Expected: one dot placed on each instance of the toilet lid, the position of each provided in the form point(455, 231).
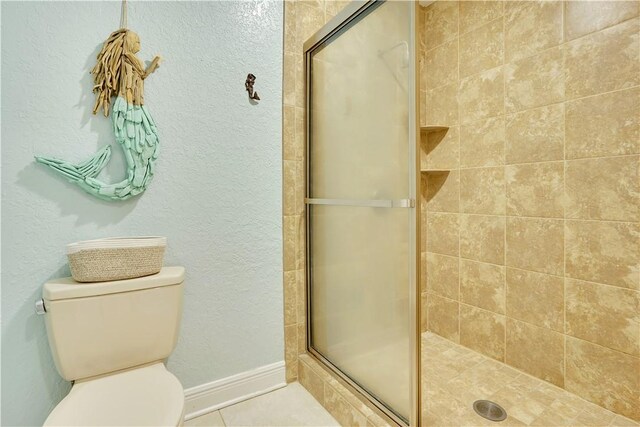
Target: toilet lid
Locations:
point(148, 396)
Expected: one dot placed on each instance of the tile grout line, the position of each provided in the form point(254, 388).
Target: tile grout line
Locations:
point(564, 207)
point(459, 124)
point(550, 218)
point(504, 168)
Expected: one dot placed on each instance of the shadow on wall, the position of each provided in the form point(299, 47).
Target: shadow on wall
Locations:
point(70, 198)
point(27, 326)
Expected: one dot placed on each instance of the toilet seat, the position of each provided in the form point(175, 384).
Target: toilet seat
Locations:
point(147, 396)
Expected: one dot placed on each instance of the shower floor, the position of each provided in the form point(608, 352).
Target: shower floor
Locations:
point(455, 376)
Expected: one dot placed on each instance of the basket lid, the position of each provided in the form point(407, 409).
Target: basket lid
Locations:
point(66, 287)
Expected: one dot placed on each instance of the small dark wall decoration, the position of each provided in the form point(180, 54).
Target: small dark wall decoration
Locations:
point(248, 85)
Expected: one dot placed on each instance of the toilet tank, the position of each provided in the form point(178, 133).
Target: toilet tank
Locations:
point(104, 327)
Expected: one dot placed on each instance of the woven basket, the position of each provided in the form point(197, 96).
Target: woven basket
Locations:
point(116, 258)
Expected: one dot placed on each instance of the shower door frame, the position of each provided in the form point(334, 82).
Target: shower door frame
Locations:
point(342, 20)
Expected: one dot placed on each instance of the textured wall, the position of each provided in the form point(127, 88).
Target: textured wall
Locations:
point(532, 229)
point(216, 195)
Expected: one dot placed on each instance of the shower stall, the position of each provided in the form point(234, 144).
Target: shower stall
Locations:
point(362, 212)
point(476, 258)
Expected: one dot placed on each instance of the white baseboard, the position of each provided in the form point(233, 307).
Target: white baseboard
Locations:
point(218, 394)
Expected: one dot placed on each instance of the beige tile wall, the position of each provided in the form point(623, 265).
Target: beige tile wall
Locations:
point(532, 245)
point(302, 19)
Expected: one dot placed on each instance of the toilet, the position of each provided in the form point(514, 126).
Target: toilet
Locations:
point(111, 339)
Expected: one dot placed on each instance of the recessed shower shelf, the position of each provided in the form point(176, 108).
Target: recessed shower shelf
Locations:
point(432, 128)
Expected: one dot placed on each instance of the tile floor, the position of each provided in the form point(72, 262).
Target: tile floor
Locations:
point(454, 377)
point(289, 406)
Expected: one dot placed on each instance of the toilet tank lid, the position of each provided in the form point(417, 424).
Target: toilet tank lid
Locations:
point(66, 287)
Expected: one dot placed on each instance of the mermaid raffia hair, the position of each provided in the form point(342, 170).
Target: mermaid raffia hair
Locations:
point(119, 72)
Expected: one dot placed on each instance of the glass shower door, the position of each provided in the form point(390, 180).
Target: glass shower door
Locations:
point(361, 202)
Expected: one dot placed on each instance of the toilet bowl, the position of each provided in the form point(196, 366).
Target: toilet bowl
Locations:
point(111, 340)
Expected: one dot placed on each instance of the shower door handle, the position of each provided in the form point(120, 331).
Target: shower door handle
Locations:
point(400, 203)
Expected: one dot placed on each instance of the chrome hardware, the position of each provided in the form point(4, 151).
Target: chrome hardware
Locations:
point(401, 203)
point(40, 308)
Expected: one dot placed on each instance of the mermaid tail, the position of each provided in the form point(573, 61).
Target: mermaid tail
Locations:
point(136, 133)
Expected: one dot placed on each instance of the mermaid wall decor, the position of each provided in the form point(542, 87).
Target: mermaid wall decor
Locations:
point(118, 74)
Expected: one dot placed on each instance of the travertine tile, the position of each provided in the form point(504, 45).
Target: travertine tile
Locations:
point(374, 420)
point(290, 300)
point(482, 49)
point(443, 275)
point(290, 235)
point(481, 95)
point(535, 135)
point(603, 376)
point(423, 212)
point(309, 19)
point(476, 13)
point(531, 26)
point(300, 81)
point(302, 338)
point(441, 23)
point(482, 285)
point(605, 315)
point(290, 353)
point(289, 41)
point(443, 317)
point(289, 183)
point(534, 81)
point(482, 238)
point(582, 17)
point(301, 295)
point(620, 421)
point(535, 244)
point(594, 418)
point(440, 149)
point(482, 331)
point(443, 191)
point(604, 61)
point(423, 106)
point(341, 410)
point(482, 191)
point(441, 65)
point(603, 252)
point(334, 7)
point(442, 105)
point(300, 134)
point(482, 143)
point(524, 404)
point(288, 132)
point(603, 125)
point(424, 312)
point(535, 189)
point(442, 233)
point(555, 416)
point(289, 79)
point(537, 351)
point(300, 241)
point(423, 271)
point(536, 298)
point(606, 188)
point(311, 381)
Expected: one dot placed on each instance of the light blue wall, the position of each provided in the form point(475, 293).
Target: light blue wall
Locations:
point(216, 194)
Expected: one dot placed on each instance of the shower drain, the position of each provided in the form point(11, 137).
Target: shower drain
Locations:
point(489, 410)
